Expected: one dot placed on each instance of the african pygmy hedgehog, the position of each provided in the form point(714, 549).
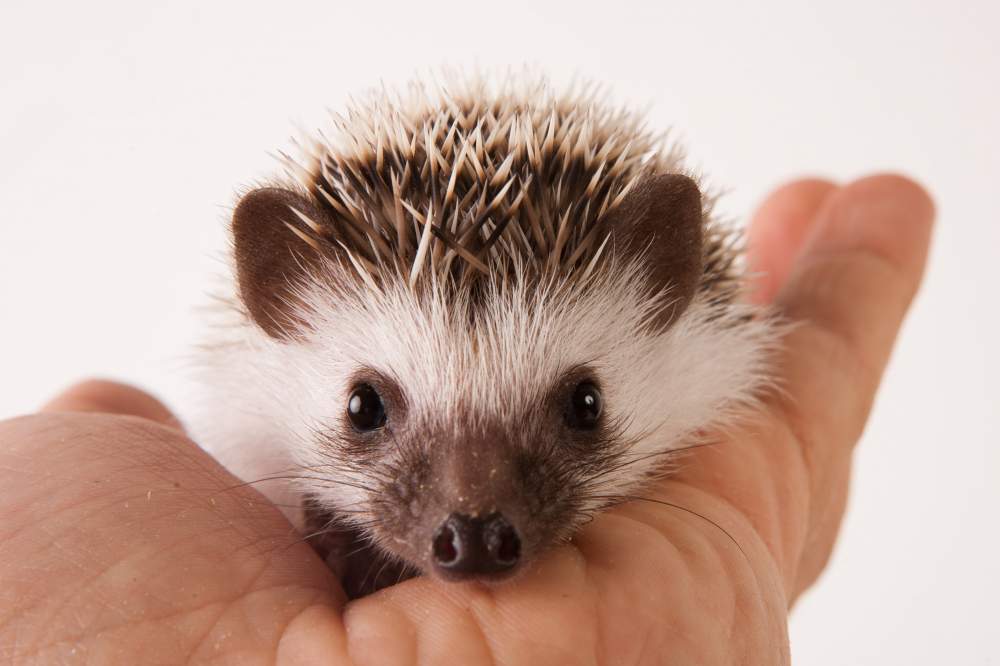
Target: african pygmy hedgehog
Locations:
point(476, 315)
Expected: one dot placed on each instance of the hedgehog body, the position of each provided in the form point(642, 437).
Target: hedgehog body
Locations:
point(473, 317)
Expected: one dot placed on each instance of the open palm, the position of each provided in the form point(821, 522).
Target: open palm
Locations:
point(122, 542)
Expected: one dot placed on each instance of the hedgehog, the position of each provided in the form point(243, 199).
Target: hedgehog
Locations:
point(474, 315)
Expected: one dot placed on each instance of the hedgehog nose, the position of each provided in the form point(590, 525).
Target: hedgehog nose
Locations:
point(466, 546)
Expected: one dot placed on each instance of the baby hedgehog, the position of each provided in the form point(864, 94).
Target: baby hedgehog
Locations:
point(472, 318)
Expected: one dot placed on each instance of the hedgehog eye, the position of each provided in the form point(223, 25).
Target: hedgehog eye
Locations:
point(584, 409)
point(365, 408)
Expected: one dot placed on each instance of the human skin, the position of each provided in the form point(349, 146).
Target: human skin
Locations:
point(122, 542)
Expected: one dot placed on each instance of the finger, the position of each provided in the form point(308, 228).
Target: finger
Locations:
point(778, 230)
point(100, 395)
point(849, 289)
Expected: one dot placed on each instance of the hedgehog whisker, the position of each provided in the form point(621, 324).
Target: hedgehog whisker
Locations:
point(640, 457)
point(323, 481)
point(621, 499)
point(331, 526)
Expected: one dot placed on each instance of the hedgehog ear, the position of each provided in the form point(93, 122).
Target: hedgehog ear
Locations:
point(274, 250)
point(661, 218)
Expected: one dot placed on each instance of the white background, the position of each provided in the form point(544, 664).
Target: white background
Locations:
point(125, 130)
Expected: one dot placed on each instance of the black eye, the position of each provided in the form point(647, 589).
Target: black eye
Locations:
point(365, 408)
point(584, 407)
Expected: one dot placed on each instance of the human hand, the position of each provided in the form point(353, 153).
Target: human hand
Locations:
point(122, 542)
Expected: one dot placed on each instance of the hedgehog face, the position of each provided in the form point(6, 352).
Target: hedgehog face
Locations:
point(465, 436)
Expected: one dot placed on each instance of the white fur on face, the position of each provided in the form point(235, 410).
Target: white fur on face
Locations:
point(662, 387)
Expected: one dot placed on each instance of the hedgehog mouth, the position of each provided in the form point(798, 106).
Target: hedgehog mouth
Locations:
point(363, 568)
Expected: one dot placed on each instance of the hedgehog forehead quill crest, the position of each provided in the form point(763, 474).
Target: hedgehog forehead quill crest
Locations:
point(472, 317)
point(453, 184)
point(450, 180)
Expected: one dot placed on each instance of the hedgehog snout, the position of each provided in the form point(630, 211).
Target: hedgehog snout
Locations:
point(465, 547)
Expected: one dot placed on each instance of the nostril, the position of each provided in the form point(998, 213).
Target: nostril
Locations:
point(503, 542)
point(445, 546)
point(509, 549)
